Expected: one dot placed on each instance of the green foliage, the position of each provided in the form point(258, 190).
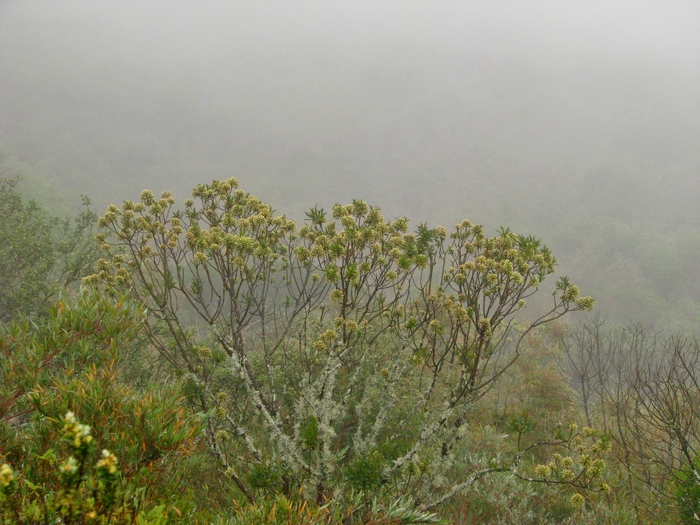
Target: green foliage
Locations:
point(25, 251)
point(308, 433)
point(365, 473)
point(281, 510)
point(521, 423)
point(688, 493)
point(69, 362)
point(71, 338)
point(39, 254)
point(87, 490)
point(265, 476)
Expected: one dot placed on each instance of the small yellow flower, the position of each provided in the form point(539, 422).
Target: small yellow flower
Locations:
point(577, 501)
point(78, 434)
point(543, 471)
point(567, 462)
point(147, 197)
point(436, 326)
point(585, 303)
point(70, 466)
point(417, 359)
point(485, 326)
point(571, 293)
point(108, 462)
point(328, 336)
point(6, 475)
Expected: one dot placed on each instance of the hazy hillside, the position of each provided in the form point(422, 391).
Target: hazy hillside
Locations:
point(576, 122)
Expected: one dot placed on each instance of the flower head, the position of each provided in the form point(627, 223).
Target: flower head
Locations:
point(108, 462)
point(77, 434)
point(69, 467)
point(577, 501)
point(7, 476)
point(543, 470)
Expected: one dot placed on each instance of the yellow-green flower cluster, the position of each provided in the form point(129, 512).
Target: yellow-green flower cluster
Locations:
point(436, 326)
point(543, 471)
point(7, 479)
point(584, 465)
point(108, 462)
point(571, 294)
point(339, 323)
point(585, 303)
point(485, 327)
point(441, 232)
point(336, 295)
point(588, 431)
point(417, 358)
point(577, 501)
point(454, 308)
point(69, 467)
point(567, 475)
point(325, 341)
point(77, 434)
point(601, 445)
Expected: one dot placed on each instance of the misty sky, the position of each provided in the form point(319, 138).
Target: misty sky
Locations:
point(534, 115)
point(347, 95)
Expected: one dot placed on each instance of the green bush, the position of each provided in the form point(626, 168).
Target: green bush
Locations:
point(70, 361)
point(88, 488)
point(39, 255)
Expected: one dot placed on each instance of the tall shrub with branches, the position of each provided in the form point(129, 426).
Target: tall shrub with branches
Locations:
point(341, 355)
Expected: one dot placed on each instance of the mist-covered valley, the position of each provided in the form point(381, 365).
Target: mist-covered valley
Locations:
point(575, 122)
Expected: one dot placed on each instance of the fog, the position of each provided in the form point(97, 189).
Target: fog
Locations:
point(575, 121)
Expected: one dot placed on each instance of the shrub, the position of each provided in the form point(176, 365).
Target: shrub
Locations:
point(330, 343)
